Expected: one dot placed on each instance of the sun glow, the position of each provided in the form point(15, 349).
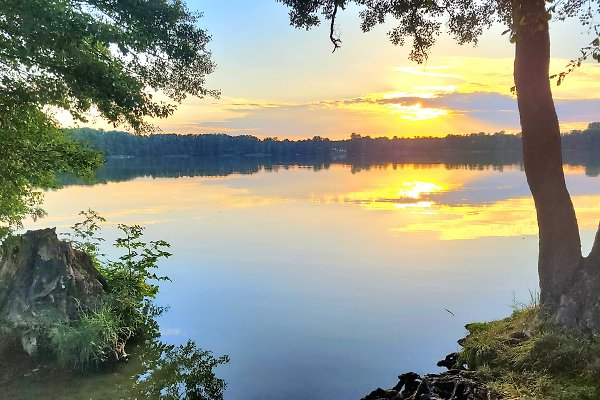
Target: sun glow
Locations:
point(406, 195)
point(417, 112)
point(416, 189)
point(503, 218)
point(400, 95)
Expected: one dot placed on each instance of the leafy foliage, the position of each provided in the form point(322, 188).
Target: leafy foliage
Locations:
point(126, 311)
point(34, 150)
point(102, 54)
point(130, 278)
point(99, 336)
point(423, 20)
point(84, 234)
point(115, 143)
point(106, 56)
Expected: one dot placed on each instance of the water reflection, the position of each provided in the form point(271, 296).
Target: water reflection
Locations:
point(155, 370)
point(324, 280)
point(506, 218)
point(175, 372)
point(409, 194)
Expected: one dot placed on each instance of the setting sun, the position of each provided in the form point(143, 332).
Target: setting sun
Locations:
point(417, 112)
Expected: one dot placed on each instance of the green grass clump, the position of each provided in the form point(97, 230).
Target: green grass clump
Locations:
point(526, 357)
point(91, 341)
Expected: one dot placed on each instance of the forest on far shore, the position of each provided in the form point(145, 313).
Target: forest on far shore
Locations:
point(117, 143)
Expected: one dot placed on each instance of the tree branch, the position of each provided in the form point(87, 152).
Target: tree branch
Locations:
point(592, 50)
point(337, 43)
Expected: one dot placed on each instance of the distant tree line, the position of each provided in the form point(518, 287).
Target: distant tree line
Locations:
point(116, 143)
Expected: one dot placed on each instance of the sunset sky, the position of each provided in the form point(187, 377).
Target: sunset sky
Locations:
point(282, 82)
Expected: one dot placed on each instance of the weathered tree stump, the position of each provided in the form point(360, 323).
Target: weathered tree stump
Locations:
point(43, 280)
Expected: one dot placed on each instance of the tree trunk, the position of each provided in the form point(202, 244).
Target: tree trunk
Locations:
point(569, 283)
point(559, 247)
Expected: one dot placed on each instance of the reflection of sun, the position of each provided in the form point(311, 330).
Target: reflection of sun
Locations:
point(416, 189)
point(411, 194)
point(417, 112)
point(418, 204)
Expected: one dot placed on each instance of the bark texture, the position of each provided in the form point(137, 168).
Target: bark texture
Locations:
point(43, 281)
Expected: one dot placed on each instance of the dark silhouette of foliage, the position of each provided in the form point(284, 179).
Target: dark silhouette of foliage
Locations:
point(115, 143)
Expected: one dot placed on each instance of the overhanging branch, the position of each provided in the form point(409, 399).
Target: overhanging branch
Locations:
point(337, 43)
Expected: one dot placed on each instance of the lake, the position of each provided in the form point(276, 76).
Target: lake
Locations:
point(324, 280)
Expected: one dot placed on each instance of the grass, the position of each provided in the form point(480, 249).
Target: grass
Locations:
point(90, 342)
point(526, 357)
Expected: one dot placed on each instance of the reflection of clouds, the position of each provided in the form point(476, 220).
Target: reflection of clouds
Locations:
point(246, 201)
point(155, 201)
point(506, 218)
point(450, 203)
point(424, 206)
point(114, 217)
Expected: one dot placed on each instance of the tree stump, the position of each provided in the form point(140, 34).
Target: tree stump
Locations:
point(43, 280)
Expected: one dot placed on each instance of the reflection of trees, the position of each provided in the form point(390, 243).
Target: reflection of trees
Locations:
point(175, 372)
point(155, 370)
point(124, 169)
point(450, 160)
point(118, 170)
point(585, 158)
point(170, 155)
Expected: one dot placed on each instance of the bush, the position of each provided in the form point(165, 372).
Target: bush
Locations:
point(126, 312)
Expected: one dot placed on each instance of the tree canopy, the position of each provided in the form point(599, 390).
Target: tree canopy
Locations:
point(34, 150)
point(102, 54)
point(113, 58)
point(422, 21)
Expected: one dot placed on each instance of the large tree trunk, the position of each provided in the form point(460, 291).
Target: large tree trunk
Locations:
point(569, 283)
point(559, 247)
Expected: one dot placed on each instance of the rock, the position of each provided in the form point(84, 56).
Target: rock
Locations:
point(43, 280)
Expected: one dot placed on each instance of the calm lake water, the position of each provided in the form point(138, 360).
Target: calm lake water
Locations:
point(324, 281)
